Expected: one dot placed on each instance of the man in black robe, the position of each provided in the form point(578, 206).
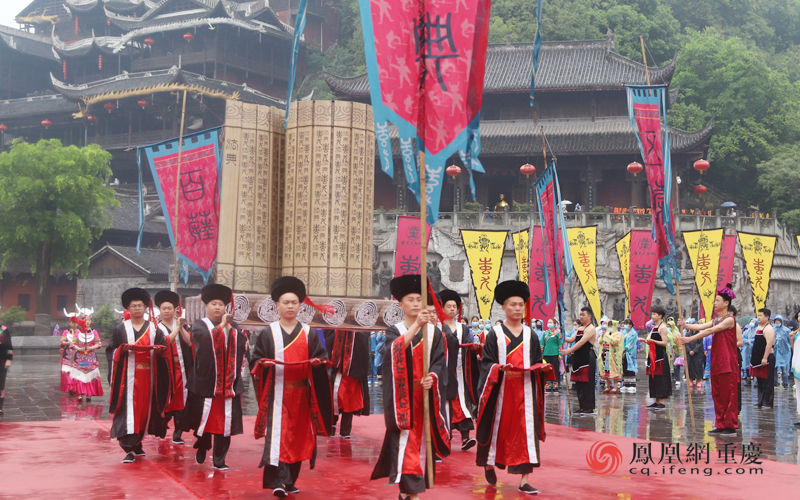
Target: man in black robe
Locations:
point(139, 380)
point(511, 407)
point(180, 359)
point(350, 368)
point(290, 379)
point(462, 367)
point(216, 385)
point(403, 455)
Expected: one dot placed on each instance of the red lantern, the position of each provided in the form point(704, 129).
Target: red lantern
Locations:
point(143, 103)
point(64, 68)
point(91, 118)
point(99, 61)
point(109, 106)
point(453, 171)
point(700, 190)
point(149, 41)
point(3, 128)
point(527, 170)
point(701, 165)
point(188, 37)
point(635, 167)
point(46, 123)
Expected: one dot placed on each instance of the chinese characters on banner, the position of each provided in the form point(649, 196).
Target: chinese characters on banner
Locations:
point(485, 256)
point(426, 61)
point(198, 196)
point(407, 252)
point(583, 246)
point(644, 259)
point(624, 255)
point(520, 240)
point(647, 113)
point(541, 305)
point(548, 193)
point(704, 248)
point(758, 251)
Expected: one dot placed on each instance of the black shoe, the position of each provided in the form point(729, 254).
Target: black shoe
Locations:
point(660, 406)
point(528, 489)
point(200, 456)
point(728, 432)
point(346, 437)
point(797, 425)
point(279, 492)
point(177, 438)
point(716, 431)
point(652, 405)
point(469, 443)
point(129, 458)
point(222, 466)
point(490, 476)
point(139, 452)
point(290, 488)
point(437, 459)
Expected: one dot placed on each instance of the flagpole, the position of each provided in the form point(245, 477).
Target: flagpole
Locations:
point(676, 284)
point(177, 195)
point(423, 268)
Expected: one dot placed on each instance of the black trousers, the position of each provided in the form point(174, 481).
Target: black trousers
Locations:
point(131, 442)
point(766, 386)
point(585, 390)
point(3, 372)
point(221, 445)
point(283, 474)
point(347, 423)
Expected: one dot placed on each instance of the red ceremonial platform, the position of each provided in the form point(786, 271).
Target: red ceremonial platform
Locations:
point(76, 459)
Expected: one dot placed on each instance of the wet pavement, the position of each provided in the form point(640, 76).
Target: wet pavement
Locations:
point(32, 394)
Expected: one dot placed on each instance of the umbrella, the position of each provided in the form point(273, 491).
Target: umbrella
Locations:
point(728, 204)
point(566, 202)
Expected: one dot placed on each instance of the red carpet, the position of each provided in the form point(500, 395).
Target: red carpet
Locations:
point(76, 459)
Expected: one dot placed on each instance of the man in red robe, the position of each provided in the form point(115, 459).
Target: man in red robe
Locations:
point(511, 405)
point(139, 382)
point(292, 388)
point(216, 385)
point(350, 367)
point(403, 455)
point(180, 358)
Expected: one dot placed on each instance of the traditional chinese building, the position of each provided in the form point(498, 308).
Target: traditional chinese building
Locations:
point(109, 72)
point(580, 106)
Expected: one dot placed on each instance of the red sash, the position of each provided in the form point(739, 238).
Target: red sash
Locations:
point(225, 357)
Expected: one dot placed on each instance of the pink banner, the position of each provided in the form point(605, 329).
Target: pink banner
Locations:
point(648, 120)
point(727, 253)
point(644, 262)
point(406, 257)
point(198, 198)
point(541, 259)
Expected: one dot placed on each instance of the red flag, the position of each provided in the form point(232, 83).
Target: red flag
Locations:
point(644, 261)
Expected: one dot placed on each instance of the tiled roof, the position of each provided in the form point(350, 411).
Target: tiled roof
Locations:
point(27, 43)
point(151, 79)
point(150, 261)
point(36, 106)
point(569, 65)
point(49, 7)
point(107, 44)
point(126, 216)
point(572, 136)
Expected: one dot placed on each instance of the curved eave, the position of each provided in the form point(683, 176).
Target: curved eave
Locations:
point(605, 136)
point(39, 106)
point(85, 46)
point(81, 6)
point(160, 28)
point(124, 82)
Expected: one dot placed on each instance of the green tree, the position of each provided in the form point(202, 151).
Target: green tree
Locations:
point(755, 107)
point(779, 178)
point(53, 202)
point(12, 315)
point(104, 319)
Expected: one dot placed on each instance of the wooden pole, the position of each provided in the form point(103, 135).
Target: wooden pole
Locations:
point(175, 230)
point(644, 58)
point(423, 268)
